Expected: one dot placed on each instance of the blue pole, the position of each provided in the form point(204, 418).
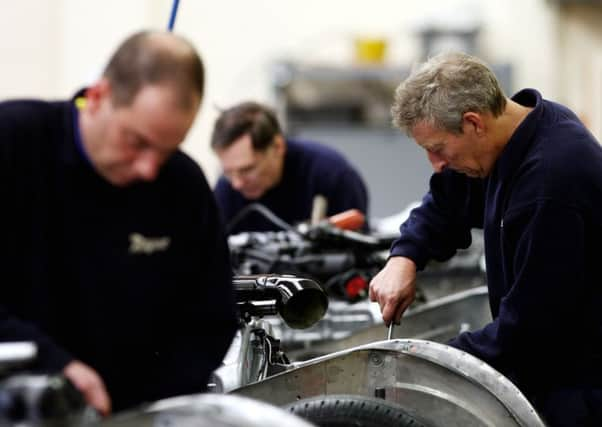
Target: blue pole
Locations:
point(174, 12)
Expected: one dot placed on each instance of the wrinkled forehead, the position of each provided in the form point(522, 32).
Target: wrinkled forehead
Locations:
point(426, 134)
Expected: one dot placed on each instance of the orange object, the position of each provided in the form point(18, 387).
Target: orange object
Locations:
point(352, 219)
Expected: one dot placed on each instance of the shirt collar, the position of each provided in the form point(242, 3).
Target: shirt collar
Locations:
point(521, 140)
point(76, 105)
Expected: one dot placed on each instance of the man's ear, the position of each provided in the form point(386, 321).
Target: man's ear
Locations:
point(474, 122)
point(97, 93)
point(280, 145)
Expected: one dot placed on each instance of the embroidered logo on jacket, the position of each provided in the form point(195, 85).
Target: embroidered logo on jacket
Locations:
point(140, 244)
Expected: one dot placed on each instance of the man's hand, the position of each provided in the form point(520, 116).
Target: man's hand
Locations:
point(394, 288)
point(89, 383)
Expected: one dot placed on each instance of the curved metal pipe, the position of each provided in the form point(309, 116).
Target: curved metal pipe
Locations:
point(300, 302)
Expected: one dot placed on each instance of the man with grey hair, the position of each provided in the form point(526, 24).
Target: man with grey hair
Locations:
point(528, 172)
point(114, 260)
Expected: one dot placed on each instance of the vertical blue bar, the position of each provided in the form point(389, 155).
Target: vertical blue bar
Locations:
point(174, 12)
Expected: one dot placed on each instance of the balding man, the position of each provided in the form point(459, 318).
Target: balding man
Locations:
point(113, 256)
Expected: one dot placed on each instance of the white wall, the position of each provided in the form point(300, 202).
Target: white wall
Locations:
point(239, 40)
point(581, 63)
point(52, 47)
point(28, 38)
point(89, 31)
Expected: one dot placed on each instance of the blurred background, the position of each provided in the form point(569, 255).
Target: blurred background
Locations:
point(328, 67)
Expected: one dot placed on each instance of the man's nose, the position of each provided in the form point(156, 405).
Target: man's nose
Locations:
point(147, 166)
point(237, 182)
point(438, 163)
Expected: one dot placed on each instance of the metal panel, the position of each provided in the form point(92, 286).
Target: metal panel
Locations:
point(437, 384)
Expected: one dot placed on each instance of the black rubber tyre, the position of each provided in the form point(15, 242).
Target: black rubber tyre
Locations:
point(343, 410)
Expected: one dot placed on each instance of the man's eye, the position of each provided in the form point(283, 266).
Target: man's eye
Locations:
point(247, 169)
point(138, 143)
point(135, 141)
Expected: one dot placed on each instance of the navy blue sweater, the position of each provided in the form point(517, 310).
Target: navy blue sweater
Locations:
point(309, 169)
point(541, 210)
point(77, 281)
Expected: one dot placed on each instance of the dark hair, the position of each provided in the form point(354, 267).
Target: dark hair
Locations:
point(251, 118)
point(153, 57)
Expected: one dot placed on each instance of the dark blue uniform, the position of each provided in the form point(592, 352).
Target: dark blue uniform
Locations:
point(541, 210)
point(133, 281)
point(309, 169)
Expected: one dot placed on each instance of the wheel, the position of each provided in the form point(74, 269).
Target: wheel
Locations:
point(343, 410)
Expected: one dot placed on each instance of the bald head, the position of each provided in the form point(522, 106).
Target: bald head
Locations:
point(155, 58)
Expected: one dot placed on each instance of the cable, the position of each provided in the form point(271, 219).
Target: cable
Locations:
point(268, 214)
point(172, 17)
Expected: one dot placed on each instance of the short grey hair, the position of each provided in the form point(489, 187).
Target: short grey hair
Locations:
point(442, 89)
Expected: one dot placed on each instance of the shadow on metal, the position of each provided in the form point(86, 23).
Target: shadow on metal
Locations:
point(437, 320)
point(206, 410)
point(437, 384)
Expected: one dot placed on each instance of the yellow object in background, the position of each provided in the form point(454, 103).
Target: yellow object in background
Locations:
point(80, 102)
point(370, 50)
